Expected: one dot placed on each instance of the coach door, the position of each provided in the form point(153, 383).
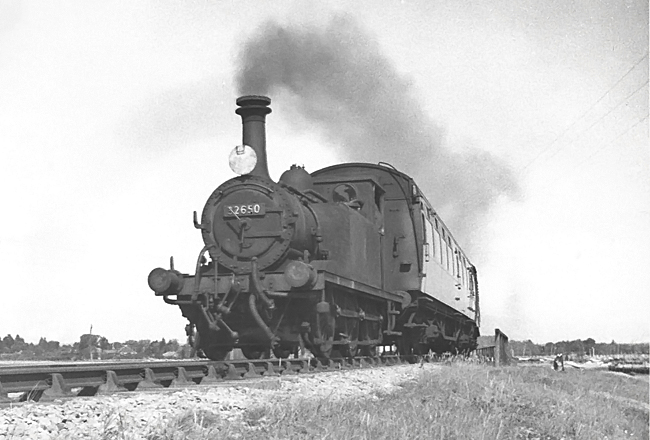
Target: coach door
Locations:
point(428, 250)
point(438, 264)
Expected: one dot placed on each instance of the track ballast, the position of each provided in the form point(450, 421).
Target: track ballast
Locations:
point(46, 383)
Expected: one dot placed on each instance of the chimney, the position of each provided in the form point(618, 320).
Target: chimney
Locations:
point(253, 110)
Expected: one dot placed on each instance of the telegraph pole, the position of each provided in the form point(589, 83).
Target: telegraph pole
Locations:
point(90, 343)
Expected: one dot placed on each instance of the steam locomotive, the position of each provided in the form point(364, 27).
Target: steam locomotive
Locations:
point(339, 262)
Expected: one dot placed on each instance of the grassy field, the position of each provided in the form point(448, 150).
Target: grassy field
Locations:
point(459, 401)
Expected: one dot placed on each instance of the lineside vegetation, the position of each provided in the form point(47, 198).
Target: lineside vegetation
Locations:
point(461, 401)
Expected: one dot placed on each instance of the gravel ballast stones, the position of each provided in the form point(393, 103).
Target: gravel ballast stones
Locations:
point(139, 415)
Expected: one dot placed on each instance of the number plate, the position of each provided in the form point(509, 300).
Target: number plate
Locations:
point(244, 210)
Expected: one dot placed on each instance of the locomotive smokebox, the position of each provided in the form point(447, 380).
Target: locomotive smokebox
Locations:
point(253, 110)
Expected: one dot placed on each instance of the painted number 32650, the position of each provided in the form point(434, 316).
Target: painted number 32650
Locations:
point(239, 210)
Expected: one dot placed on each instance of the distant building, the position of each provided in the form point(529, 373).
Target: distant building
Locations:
point(126, 351)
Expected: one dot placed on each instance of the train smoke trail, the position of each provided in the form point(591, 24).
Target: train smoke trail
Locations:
point(341, 81)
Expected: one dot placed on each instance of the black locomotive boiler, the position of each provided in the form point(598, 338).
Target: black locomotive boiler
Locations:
point(339, 261)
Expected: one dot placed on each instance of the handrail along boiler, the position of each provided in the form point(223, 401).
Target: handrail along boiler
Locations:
point(339, 261)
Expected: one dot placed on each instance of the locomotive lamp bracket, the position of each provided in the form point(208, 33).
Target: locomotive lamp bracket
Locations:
point(198, 225)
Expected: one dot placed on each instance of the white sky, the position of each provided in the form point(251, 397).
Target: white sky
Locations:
point(116, 119)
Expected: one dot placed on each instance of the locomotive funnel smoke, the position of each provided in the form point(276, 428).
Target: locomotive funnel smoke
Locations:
point(342, 83)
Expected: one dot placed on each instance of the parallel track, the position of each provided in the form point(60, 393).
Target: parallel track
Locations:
point(46, 383)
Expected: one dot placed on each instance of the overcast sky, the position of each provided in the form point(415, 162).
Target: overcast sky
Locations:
point(116, 120)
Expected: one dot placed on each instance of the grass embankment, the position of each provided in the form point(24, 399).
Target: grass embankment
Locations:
point(460, 401)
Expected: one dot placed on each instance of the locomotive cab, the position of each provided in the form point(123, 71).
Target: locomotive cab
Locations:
point(364, 195)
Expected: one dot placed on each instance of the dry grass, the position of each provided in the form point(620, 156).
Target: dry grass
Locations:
point(462, 401)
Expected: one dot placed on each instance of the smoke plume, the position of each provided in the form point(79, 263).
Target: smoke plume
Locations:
point(342, 83)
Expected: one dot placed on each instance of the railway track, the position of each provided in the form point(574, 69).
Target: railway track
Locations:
point(46, 383)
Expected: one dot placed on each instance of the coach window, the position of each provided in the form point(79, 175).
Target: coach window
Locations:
point(453, 262)
point(445, 263)
point(443, 249)
point(430, 236)
point(424, 228)
point(425, 239)
point(463, 269)
point(449, 254)
point(436, 245)
point(431, 240)
point(437, 240)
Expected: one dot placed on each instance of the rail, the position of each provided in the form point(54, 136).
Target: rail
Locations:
point(55, 381)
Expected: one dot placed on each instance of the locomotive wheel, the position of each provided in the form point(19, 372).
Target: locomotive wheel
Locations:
point(325, 350)
point(256, 352)
point(368, 350)
point(196, 346)
point(347, 351)
point(404, 348)
point(215, 353)
point(366, 335)
point(350, 350)
point(212, 352)
point(283, 352)
point(325, 333)
point(411, 347)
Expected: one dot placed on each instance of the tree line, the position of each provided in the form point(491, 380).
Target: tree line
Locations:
point(90, 346)
point(578, 347)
